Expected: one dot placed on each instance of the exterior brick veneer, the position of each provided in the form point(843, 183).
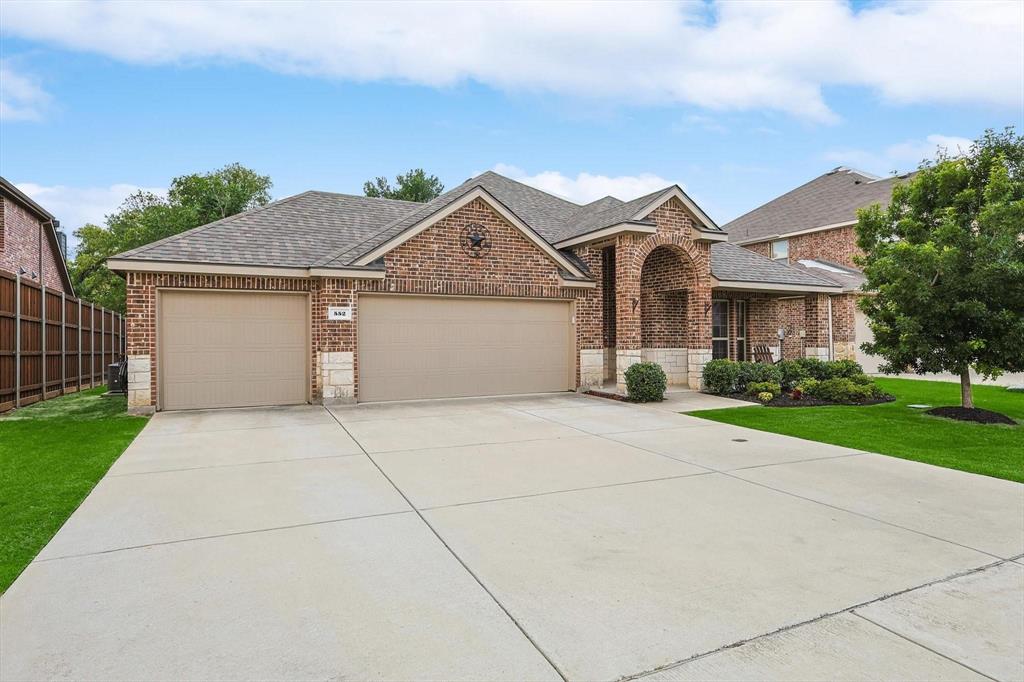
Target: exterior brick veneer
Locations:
point(19, 245)
point(652, 300)
point(838, 245)
point(429, 263)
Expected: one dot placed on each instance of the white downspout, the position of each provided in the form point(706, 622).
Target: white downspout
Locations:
point(831, 345)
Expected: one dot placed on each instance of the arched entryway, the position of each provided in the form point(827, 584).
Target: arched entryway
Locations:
point(667, 278)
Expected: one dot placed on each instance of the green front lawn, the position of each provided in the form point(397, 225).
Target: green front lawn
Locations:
point(897, 430)
point(51, 455)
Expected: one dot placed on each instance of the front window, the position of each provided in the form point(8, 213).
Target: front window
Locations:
point(741, 330)
point(780, 249)
point(719, 329)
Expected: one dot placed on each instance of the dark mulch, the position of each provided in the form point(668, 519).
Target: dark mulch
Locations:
point(785, 401)
point(609, 395)
point(975, 414)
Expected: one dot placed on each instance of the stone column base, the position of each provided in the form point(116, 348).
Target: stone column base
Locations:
point(845, 350)
point(140, 395)
point(624, 359)
point(337, 378)
point(696, 359)
point(591, 367)
point(672, 360)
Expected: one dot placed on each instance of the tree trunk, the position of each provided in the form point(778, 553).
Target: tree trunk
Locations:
point(966, 399)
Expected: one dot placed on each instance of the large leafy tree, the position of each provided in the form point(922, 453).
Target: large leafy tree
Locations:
point(192, 200)
point(415, 185)
point(946, 260)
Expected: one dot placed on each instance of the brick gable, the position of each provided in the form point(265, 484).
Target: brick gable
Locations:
point(19, 245)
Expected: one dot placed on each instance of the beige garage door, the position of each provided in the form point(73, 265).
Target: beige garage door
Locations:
point(426, 347)
point(226, 349)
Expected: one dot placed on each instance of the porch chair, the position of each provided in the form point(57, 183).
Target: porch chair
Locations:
point(763, 353)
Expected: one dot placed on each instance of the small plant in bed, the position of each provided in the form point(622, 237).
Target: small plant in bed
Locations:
point(807, 382)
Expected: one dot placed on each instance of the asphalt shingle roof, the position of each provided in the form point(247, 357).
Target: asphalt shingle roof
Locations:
point(735, 264)
point(292, 232)
point(334, 230)
point(826, 200)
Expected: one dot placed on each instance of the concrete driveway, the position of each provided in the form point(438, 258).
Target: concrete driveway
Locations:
point(521, 538)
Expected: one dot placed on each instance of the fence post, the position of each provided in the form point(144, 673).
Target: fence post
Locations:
point(79, 344)
point(92, 345)
point(103, 344)
point(17, 339)
point(42, 332)
point(63, 343)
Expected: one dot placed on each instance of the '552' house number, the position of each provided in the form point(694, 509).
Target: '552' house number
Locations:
point(339, 314)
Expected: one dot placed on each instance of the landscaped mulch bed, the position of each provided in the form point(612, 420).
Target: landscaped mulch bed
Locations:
point(785, 401)
point(975, 414)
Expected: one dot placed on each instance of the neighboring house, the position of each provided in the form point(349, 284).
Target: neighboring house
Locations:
point(30, 243)
point(812, 228)
point(492, 288)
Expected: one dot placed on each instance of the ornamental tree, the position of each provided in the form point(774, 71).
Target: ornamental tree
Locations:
point(945, 261)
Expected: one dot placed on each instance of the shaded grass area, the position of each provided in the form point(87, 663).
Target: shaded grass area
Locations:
point(897, 430)
point(51, 455)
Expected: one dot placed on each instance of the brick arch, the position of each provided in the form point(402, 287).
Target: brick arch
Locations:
point(667, 275)
point(676, 242)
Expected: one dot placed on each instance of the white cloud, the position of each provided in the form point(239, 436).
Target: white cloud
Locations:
point(21, 97)
point(724, 56)
point(76, 206)
point(902, 156)
point(586, 187)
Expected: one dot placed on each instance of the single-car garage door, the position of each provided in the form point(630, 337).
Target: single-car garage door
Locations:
point(438, 347)
point(863, 334)
point(231, 349)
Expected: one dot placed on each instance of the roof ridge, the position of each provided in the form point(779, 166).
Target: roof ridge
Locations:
point(523, 184)
point(334, 255)
point(363, 196)
point(195, 230)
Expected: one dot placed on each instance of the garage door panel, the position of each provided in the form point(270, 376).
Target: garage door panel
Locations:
point(226, 349)
point(430, 347)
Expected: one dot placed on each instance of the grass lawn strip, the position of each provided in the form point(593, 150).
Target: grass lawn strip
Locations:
point(897, 430)
point(52, 454)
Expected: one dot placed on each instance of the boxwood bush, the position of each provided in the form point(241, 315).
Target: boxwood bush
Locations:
point(858, 389)
point(792, 374)
point(720, 376)
point(646, 382)
point(756, 372)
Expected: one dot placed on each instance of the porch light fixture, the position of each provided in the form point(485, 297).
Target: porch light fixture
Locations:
point(636, 301)
point(706, 309)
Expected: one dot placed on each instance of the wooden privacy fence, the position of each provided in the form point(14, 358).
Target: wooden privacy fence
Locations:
point(52, 344)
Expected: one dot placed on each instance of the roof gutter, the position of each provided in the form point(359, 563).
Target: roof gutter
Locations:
point(131, 265)
point(794, 233)
point(738, 285)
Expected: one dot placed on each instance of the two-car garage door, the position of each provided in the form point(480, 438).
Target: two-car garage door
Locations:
point(433, 347)
point(236, 349)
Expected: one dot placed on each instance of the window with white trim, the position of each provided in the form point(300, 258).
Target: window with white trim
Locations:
point(780, 249)
point(719, 329)
point(741, 330)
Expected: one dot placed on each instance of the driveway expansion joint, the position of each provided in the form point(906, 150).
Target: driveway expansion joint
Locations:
point(919, 644)
point(234, 464)
point(850, 609)
point(459, 559)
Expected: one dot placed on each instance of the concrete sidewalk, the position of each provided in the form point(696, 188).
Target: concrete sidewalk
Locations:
point(537, 537)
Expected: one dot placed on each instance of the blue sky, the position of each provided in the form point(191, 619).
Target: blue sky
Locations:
point(82, 123)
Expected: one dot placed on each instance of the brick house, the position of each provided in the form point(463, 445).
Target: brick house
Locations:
point(812, 228)
point(30, 243)
point(492, 288)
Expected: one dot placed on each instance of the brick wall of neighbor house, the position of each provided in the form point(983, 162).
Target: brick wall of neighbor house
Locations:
point(432, 262)
point(20, 246)
point(838, 245)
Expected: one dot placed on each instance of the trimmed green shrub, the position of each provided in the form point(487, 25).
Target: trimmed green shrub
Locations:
point(862, 379)
point(843, 368)
point(720, 376)
point(792, 373)
point(807, 386)
point(646, 382)
point(759, 387)
point(765, 397)
point(814, 368)
point(754, 372)
point(842, 390)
